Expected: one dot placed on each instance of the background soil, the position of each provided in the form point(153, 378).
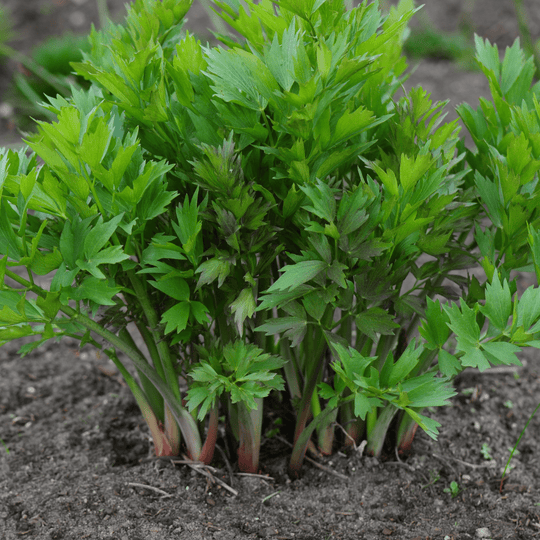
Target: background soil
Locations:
point(75, 456)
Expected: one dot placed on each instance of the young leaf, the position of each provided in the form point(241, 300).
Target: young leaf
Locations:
point(405, 364)
point(295, 275)
point(375, 321)
point(434, 328)
point(176, 318)
point(498, 307)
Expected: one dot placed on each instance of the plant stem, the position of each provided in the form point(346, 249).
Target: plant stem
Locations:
point(185, 420)
point(165, 367)
point(300, 446)
point(249, 436)
point(162, 443)
point(406, 432)
point(378, 433)
point(207, 452)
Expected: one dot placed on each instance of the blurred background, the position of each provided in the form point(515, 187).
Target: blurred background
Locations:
point(38, 39)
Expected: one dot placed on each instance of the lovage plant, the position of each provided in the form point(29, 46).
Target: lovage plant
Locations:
point(264, 217)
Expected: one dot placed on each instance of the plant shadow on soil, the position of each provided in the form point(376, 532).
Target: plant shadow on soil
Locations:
point(76, 461)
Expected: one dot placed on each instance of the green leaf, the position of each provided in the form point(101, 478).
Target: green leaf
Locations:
point(313, 305)
point(200, 312)
point(99, 235)
point(449, 365)
point(429, 425)
point(364, 405)
point(498, 307)
point(323, 202)
point(243, 307)
point(434, 328)
point(283, 324)
point(215, 268)
point(94, 289)
point(176, 288)
point(505, 353)
point(176, 318)
point(405, 364)
point(528, 309)
point(491, 197)
point(50, 304)
point(297, 274)
point(110, 255)
point(412, 169)
point(427, 390)
point(463, 324)
point(473, 357)
point(375, 321)
point(10, 244)
point(353, 123)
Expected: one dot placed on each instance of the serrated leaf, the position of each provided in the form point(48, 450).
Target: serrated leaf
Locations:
point(505, 353)
point(94, 289)
point(323, 202)
point(528, 309)
point(50, 304)
point(176, 288)
point(412, 169)
point(498, 307)
point(405, 364)
point(297, 274)
point(176, 318)
point(375, 321)
point(109, 255)
point(313, 305)
point(364, 405)
point(463, 324)
point(242, 308)
point(283, 324)
point(449, 365)
point(473, 357)
point(99, 235)
point(429, 425)
point(200, 312)
point(427, 390)
point(434, 328)
point(215, 268)
point(9, 243)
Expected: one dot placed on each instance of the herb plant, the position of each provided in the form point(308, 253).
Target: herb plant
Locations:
point(226, 223)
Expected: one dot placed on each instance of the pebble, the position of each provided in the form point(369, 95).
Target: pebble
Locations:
point(483, 532)
point(77, 18)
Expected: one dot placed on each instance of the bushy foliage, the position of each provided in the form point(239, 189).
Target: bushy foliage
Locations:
point(272, 220)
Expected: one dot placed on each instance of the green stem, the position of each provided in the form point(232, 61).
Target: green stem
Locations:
point(354, 427)
point(301, 444)
point(207, 452)
point(162, 445)
point(165, 367)
point(249, 436)
point(186, 422)
point(406, 431)
point(314, 363)
point(326, 433)
point(155, 398)
point(378, 433)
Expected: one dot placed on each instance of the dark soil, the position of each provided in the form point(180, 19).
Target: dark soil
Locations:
point(76, 460)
